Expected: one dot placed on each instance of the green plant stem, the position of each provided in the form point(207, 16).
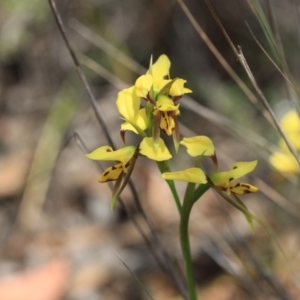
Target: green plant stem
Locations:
point(188, 202)
point(163, 167)
point(186, 250)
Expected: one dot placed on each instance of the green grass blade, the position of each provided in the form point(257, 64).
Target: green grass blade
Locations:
point(136, 278)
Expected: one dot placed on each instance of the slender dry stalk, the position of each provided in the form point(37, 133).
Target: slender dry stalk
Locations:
point(282, 56)
point(268, 113)
point(107, 47)
point(287, 78)
point(266, 104)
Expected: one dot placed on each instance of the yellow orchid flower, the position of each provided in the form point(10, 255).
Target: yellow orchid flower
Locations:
point(283, 160)
point(224, 180)
point(161, 94)
point(128, 104)
point(148, 87)
point(157, 89)
point(290, 122)
point(156, 78)
point(157, 152)
point(123, 155)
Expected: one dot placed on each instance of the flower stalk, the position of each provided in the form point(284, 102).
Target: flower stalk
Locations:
point(187, 206)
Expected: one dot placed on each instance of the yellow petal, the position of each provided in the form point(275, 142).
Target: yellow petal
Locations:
point(178, 89)
point(139, 120)
point(164, 103)
point(242, 188)
point(198, 145)
point(290, 122)
point(157, 152)
point(294, 138)
point(127, 126)
point(112, 173)
point(128, 103)
point(195, 175)
point(238, 170)
point(187, 91)
point(284, 162)
point(106, 153)
point(160, 71)
point(99, 152)
point(143, 85)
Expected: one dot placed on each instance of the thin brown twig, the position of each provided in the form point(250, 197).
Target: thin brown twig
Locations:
point(96, 108)
point(285, 75)
point(266, 104)
point(241, 58)
point(97, 68)
point(271, 60)
point(253, 99)
point(107, 47)
point(281, 54)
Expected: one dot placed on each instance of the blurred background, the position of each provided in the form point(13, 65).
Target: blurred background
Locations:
point(59, 238)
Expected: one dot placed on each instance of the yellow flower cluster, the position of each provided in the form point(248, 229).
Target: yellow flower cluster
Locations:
point(150, 106)
point(161, 95)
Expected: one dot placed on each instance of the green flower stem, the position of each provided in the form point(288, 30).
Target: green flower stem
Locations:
point(163, 167)
point(191, 196)
point(186, 251)
point(200, 190)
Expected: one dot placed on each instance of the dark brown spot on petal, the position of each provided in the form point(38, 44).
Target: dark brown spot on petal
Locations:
point(231, 178)
point(166, 77)
point(235, 167)
point(105, 173)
